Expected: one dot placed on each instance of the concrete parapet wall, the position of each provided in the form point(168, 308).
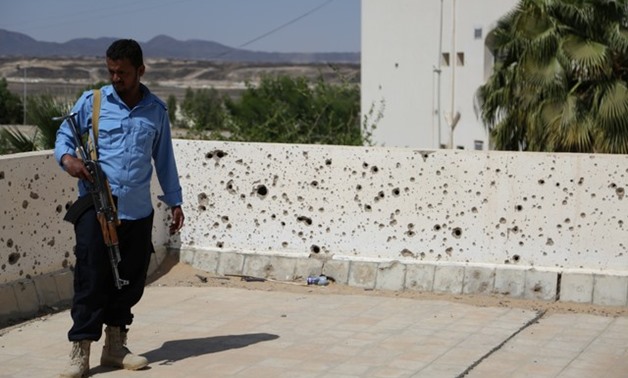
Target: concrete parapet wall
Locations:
point(527, 225)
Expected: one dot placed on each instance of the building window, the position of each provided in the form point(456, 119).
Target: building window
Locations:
point(477, 33)
point(444, 60)
point(460, 59)
point(479, 145)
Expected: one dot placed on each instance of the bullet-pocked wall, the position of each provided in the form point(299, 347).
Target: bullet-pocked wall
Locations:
point(34, 240)
point(528, 209)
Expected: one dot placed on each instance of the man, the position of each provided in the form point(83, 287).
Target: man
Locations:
point(133, 127)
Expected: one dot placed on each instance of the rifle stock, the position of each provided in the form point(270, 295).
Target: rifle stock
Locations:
point(100, 192)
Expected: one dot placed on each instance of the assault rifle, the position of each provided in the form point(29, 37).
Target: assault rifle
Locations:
point(101, 199)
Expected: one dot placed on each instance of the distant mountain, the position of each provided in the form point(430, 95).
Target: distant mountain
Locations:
point(14, 44)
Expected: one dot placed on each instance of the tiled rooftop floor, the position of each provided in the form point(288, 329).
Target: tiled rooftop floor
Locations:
point(235, 332)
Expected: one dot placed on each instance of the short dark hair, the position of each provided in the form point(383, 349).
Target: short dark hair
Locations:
point(126, 49)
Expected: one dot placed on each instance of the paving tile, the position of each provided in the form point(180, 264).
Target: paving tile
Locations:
point(223, 332)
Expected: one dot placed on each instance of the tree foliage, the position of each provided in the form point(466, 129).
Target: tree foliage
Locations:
point(171, 103)
point(202, 110)
point(282, 109)
point(560, 80)
point(41, 110)
point(11, 107)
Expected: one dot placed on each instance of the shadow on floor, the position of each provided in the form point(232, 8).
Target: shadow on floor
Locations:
point(177, 350)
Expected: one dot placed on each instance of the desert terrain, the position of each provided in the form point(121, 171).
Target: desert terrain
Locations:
point(66, 78)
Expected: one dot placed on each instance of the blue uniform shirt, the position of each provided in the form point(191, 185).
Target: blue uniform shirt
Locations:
point(127, 140)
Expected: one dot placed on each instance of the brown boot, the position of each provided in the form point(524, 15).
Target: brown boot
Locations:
point(116, 354)
point(79, 360)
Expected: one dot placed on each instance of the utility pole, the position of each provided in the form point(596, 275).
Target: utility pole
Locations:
point(23, 93)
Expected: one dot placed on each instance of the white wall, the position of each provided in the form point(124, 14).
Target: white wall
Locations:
point(400, 52)
point(34, 240)
point(562, 211)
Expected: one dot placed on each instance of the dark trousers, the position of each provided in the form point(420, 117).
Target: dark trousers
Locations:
point(96, 299)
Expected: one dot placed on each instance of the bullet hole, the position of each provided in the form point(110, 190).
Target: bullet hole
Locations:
point(368, 208)
point(13, 258)
point(538, 288)
point(474, 210)
point(68, 204)
point(10, 243)
point(230, 187)
point(457, 232)
point(24, 204)
point(581, 181)
point(34, 195)
point(437, 227)
point(502, 220)
point(1, 175)
point(315, 249)
point(541, 182)
point(202, 201)
point(516, 258)
point(217, 153)
point(407, 253)
point(59, 209)
point(396, 192)
point(620, 193)
point(305, 220)
point(374, 169)
point(220, 244)
point(328, 162)
point(224, 219)
point(262, 191)
point(381, 194)
point(518, 208)
point(365, 165)
point(314, 183)
point(549, 242)
point(358, 187)
point(284, 244)
point(449, 251)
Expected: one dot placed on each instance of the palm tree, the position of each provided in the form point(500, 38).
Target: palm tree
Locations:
point(41, 109)
point(560, 79)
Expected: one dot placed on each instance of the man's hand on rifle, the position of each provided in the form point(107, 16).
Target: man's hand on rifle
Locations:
point(76, 168)
point(177, 219)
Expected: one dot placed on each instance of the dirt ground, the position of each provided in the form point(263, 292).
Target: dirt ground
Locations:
point(174, 273)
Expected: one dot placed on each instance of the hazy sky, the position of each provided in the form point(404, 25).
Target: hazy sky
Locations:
point(262, 25)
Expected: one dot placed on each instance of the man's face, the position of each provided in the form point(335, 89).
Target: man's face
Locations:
point(124, 77)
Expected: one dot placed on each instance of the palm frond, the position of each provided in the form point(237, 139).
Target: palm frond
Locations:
point(590, 59)
point(17, 141)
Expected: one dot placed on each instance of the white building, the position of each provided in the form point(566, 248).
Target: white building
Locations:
point(412, 50)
